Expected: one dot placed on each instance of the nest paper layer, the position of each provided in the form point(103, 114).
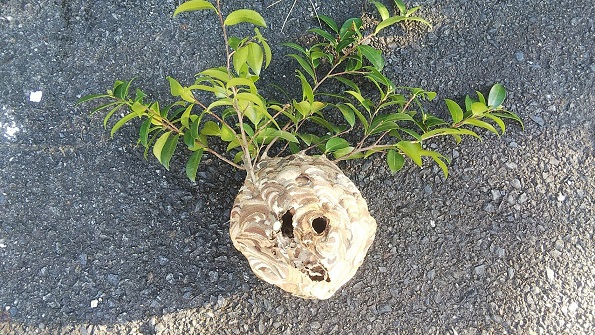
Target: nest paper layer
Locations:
point(303, 225)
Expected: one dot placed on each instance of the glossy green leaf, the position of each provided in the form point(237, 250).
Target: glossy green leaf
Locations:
point(244, 15)
point(509, 115)
point(401, 6)
point(168, 150)
point(305, 65)
point(496, 96)
point(296, 47)
point(193, 5)
point(255, 57)
point(193, 163)
point(468, 102)
point(382, 10)
point(289, 137)
point(121, 89)
point(123, 121)
point(335, 144)
point(185, 118)
point(348, 114)
point(210, 128)
point(481, 98)
point(217, 73)
point(395, 160)
point(455, 110)
point(412, 150)
point(478, 108)
point(481, 124)
point(349, 26)
point(242, 82)
point(373, 55)
point(324, 34)
point(497, 120)
point(329, 22)
point(239, 58)
point(111, 112)
point(396, 19)
point(307, 93)
point(439, 159)
point(227, 134)
point(143, 133)
point(91, 97)
point(159, 144)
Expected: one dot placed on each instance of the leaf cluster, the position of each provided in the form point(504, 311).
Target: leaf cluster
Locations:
point(388, 118)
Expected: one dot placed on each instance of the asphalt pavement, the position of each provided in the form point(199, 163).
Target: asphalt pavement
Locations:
point(96, 240)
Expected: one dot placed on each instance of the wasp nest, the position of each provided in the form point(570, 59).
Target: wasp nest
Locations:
point(303, 225)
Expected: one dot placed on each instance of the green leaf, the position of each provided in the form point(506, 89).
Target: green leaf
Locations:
point(509, 115)
point(295, 47)
point(349, 83)
point(350, 25)
point(413, 150)
point(217, 73)
point(497, 120)
point(468, 103)
point(289, 137)
point(111, 112)
point(384, 14)
point(123, 121)
point(121, 89)
point(496, 96)
point(348, 114)
point(211, 129)
point(373, 55)
point(255, 57)
point(478, 108)
point(395, 160)
point(158, 146)
point(91, 97)
point(305, 65)
point(193, 5)
point(184, 119)
point(324, 34)
point(267, 53)
point(227, 134)
point(401, 6)
point(143, 133)
point(178, 90)
point(335, 144)
point(307, 93)
point(396, 19)
point(244, 15)
point(439, 159)
point(240, 58)
point(168, 150)
point(481, 98)
point(455, 110)
point(329, 22)
point(481, 124)
point(192, 165)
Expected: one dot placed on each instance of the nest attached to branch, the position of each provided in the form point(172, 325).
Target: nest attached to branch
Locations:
point(302, 225)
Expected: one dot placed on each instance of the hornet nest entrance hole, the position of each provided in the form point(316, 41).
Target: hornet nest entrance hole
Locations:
point(319, 224)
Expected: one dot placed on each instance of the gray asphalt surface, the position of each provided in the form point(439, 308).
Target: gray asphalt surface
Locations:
point(96, 240)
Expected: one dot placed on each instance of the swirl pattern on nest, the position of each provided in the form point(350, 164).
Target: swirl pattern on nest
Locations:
point(303, 225)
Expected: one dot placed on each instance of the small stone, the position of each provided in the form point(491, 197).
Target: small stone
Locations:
point(213, 276)
point(523, 198)
point(561, 197)
point(170, 278)
point(480, 270)
point(431, 274)
point(555, 253)
point(511, 165)
point(428, 189)
point(83, 259)
point(513, 144)
point(516, 184)
point(495, 195)
point(489, 208)
point(510, 273)
point(384, 308)
point(520, 56)
point(550, 274)
point(163, 260)
point(35, 96)
point(501, 252)
point(537, 119)
point(573, 307)
point(382, 269)
point(94, 303)
point(455, 154)
point(559, 244)
point(113, 279)
point(160, 327)
point(315, 325)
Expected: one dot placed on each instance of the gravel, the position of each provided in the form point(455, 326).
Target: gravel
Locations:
point(96, 240)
